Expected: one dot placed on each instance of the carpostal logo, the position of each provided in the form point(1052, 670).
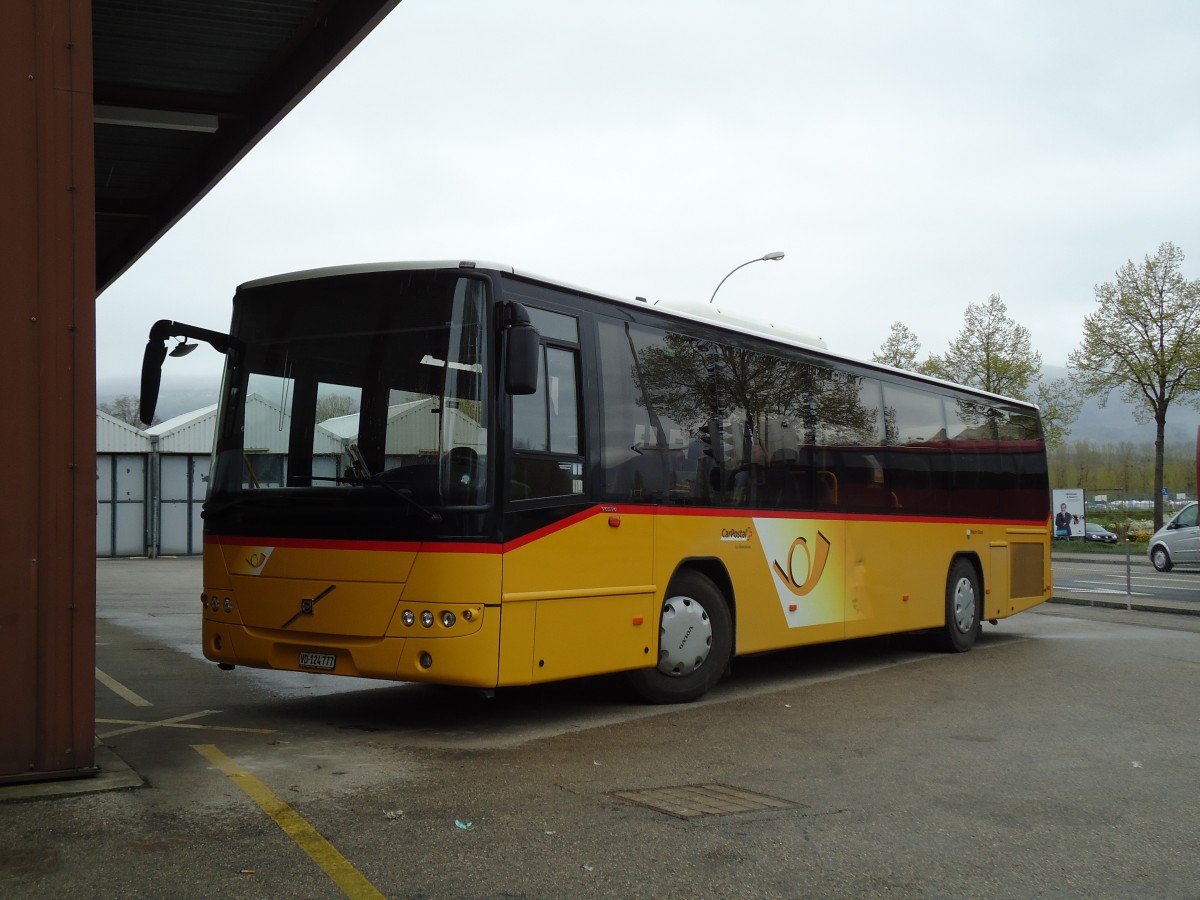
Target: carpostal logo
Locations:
point(806, 564)
point(251, 560)
point(737, 534)
point(813, 568)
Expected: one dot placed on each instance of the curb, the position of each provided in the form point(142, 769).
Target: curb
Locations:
point(1131, 605)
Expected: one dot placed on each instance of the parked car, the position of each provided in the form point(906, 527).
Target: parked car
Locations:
point(1178, 542)
point(1098, 533)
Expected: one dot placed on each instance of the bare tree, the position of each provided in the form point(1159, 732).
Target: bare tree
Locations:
point(126, 409)
point(1144, 339)
point(331, 406)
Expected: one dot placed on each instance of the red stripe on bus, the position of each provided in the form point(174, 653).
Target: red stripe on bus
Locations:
point(538, 533)
point(606, 509)
point(743, 513)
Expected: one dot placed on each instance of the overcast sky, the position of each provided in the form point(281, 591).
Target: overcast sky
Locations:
point(909, 158)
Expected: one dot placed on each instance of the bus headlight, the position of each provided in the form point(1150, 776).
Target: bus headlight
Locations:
point(447, 619)
point(408, 618)
point(427, 619)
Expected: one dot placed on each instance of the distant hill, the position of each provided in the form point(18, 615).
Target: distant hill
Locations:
point(1115, 422)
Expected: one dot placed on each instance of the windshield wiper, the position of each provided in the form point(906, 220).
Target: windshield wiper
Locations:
point(359, 474)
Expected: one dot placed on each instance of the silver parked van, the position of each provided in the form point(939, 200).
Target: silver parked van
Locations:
point(1178, 542)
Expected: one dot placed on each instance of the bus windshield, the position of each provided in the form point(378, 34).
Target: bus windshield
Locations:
point(358, 381)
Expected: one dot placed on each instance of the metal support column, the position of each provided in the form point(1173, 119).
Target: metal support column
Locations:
point(47, 317)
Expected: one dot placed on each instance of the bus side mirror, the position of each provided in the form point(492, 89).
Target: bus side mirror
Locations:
point(152, 360)
point(156, 352)
point(523, 353)
point(520, 376)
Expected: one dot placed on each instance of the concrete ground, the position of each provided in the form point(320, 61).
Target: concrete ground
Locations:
point(1057, 759)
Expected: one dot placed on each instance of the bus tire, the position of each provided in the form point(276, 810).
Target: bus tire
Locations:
point(964, 619)
point(695, 642)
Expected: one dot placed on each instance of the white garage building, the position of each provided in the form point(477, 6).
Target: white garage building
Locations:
point(151, 484)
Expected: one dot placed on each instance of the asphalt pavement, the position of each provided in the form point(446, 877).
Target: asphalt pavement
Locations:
point(1056, 759)
point(1144, 599)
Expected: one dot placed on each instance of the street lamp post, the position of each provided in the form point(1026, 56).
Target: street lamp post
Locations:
point(774, 254)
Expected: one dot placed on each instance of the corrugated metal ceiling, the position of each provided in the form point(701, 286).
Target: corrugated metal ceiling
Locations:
point(184, 88)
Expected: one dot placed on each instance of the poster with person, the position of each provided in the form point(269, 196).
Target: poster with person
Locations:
point(1068, 513)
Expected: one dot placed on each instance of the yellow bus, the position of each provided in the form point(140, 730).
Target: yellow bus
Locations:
point(463, 474)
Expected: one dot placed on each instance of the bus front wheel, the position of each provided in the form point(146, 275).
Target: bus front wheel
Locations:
point(695, 641)
point(963, 603)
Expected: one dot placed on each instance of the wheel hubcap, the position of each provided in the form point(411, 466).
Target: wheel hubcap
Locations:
point(964, 605)
point(685, 637)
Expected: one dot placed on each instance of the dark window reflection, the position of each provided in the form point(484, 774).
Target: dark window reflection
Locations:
point(695, 421)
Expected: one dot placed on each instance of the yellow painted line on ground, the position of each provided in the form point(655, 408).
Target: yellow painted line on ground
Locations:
point(179, 722)
point(324, 854)
point(173, 722)
point(120, 690)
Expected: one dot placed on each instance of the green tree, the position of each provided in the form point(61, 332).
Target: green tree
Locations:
point(1060, 403)
point(900, 349)
point(1144, 340)
point(991, 352)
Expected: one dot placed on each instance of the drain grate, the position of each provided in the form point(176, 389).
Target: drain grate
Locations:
point(695, 801)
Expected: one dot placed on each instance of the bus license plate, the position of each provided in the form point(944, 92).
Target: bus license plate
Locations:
point(324, 661)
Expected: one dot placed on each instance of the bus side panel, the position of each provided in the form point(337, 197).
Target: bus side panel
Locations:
point(896, 575)
point(587, 635)
point(581, 597)
point(516, 643)
point(786, 572)
point(1030, 579)
point(896, 572)
point(998, 590)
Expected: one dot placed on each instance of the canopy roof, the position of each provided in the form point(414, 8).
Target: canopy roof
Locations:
point(184, 88)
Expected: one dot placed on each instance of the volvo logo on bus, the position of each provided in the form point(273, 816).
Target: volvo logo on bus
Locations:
point(308, 605)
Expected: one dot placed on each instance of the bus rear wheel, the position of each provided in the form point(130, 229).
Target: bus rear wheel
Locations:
point(963, 609)
point(695, 642)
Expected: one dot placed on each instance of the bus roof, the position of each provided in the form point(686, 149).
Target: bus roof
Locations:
point(684, 309)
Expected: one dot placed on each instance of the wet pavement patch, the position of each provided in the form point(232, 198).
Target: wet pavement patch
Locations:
point(695, 801)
